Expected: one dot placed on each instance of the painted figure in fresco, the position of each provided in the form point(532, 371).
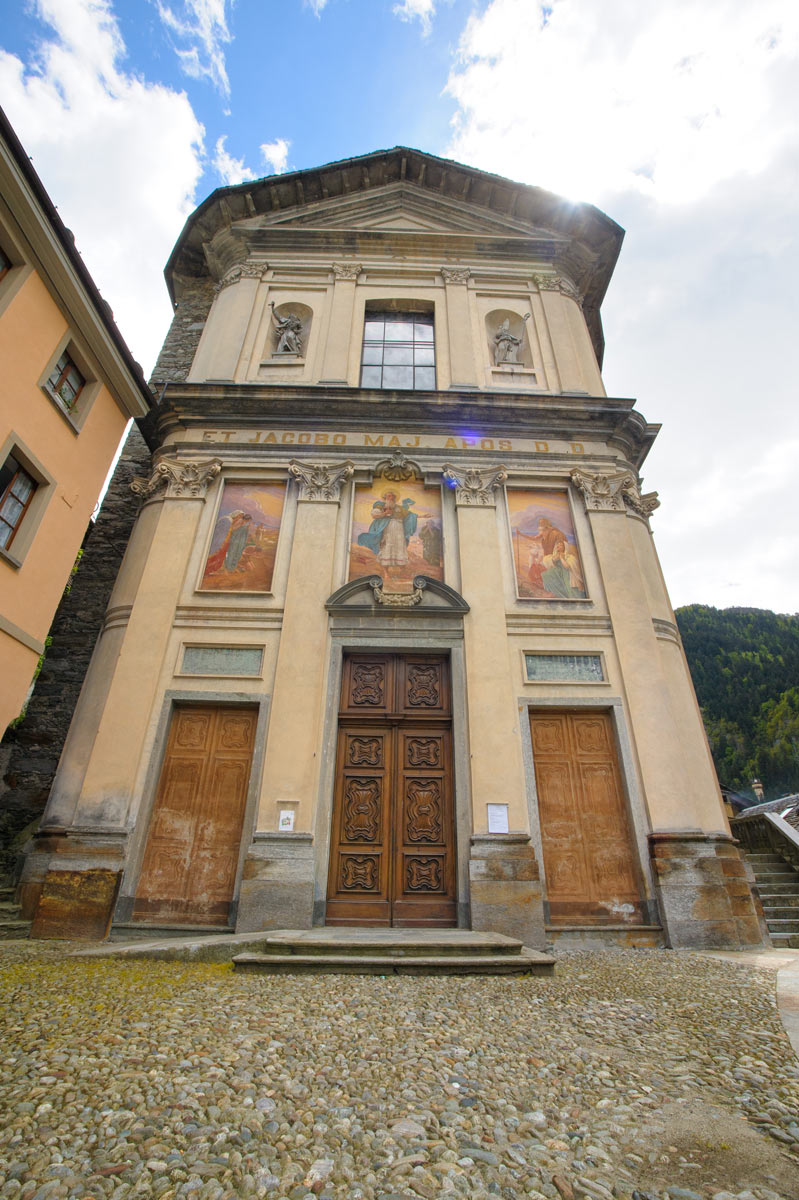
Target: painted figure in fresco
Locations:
point(393, 525)
point(549, 535)
point(536, 567)
point(289, 330)
point(230, 554)
point(430, 536)
point(562, 576)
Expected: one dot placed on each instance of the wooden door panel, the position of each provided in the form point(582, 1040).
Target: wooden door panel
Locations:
point(589, 860)
point(190, 861)
point(392, 837)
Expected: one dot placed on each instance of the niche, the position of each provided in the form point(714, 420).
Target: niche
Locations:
point(508, 343)
point(290, 328)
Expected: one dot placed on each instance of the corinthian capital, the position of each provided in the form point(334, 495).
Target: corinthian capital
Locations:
point(475, 485)
point(349, 271)
point(614, 491)
point(455, 274)
point(182, 480)
point(320, 481)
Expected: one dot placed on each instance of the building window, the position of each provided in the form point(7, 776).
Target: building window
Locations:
point(5, 263)
point(16, 492)
point(65, 382)
point(398, 351)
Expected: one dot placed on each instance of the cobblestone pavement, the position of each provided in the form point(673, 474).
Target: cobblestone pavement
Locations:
point(635, 1074)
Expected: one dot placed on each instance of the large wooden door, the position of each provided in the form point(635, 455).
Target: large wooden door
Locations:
point(392, 859)
point(189, 870)
point(589, 860)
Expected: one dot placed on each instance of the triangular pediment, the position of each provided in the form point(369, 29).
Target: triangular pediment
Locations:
point(397, 207)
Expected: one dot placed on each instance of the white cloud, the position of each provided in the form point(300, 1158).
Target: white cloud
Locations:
point(678, 119)
point(231, 170)
point(317, 6)
point(120, 157)
point(275, 154)
point(417, 10)
point(203, 25)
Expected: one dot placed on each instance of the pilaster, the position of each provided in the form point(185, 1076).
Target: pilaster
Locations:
point(277, 885)
point(336, 357)
point(463, 369)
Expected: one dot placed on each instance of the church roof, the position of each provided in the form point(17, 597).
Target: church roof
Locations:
point(480, 212)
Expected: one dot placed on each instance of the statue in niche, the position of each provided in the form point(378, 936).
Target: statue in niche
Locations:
point(289, 332)
point(506, 344)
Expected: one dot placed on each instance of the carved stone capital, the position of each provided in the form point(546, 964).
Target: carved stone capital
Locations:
point(321, 481)
point(397, 599)
point(614, 491)
point(475, 485)
point(398, 468)
point(182, 480)
point(455, 274)
point(247, 270)
point(349, 271)
point(557, 283)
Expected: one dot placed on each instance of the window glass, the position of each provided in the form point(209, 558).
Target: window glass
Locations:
point(65, 381)
point(404, 344)
point(16, 490)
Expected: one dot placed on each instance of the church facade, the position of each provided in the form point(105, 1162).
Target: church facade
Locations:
point(390, 643)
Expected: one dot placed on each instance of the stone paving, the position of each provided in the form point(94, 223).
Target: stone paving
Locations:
point(635, 1074)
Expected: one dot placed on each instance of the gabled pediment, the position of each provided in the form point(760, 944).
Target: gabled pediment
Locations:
point(400, 206)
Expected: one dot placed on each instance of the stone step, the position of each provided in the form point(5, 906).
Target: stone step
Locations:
point(763, 858)
point(526, 962)
point(787, 941)
point(133, 930)
point(765, 878)
point(11, 928)
point(777, 889)
point(784, 912)
point(777, 900)
point(781, 926)
point(388, 943)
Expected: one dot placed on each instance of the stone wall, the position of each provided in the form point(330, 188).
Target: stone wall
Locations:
point(29, 754)
point(180, 345)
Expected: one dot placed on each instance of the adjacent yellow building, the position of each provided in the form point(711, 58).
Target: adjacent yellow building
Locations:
point(70, 386)
point(390, 644)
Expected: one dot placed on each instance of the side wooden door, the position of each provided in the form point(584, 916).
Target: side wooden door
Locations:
point(392, 859)
point(188, 873)
point(589, 857)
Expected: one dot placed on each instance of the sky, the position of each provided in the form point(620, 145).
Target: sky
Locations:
point(679, 119)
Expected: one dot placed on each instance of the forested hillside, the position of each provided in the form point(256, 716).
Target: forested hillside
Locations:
point(745, 667)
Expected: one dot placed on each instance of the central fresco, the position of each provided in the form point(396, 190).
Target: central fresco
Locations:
point(396, 533)
point(546, 558)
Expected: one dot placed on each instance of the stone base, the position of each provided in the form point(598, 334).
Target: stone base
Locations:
point(704, 887)
point(70, 881)
point(277, 883)
point(505, 888)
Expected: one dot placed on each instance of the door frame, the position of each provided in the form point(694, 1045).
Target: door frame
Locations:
point(396, 643)
point(137, 843)
point(632, 793)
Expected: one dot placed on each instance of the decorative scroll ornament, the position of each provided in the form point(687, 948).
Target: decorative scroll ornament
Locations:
point(475, 485)
point(614, 491)
point(557, 283)
point(182, 480)
point(349, 271)
point(320, 481)
point(455, 274)
point(397, 599)
point(247, 270)
point(398, 468)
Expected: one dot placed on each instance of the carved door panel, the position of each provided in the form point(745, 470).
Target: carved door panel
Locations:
point(392, 858)
point(589, 858)
point(189, 870)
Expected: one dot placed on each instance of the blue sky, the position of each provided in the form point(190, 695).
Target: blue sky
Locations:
point(678, 119)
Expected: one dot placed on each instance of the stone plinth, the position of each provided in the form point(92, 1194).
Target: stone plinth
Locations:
point(506, 888)
point(705, 891)
point(277, 883)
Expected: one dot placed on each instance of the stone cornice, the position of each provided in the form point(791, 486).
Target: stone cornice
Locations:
point(495, 414)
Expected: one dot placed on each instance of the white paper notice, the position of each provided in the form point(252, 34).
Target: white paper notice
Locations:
point(286, 822)
point(497, 818)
